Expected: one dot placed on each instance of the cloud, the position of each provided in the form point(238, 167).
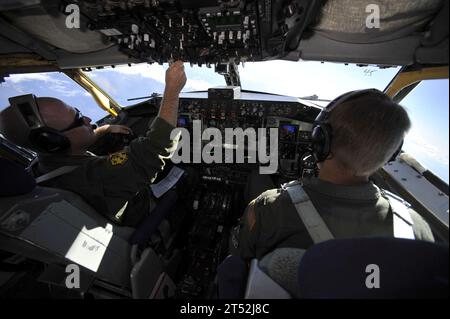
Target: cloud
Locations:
point(153, 71)
point(64, 87)
point(17, 78)
point(17, 88)
point(306, 78)
point(104, 83)
point(197, 85)
point(417, 144)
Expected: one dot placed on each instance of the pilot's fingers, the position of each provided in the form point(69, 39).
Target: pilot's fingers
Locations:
point(178, 63)
point(175, 73)
point(175, 69)
point(175, 78)
point(120, 129)
point(126, 129)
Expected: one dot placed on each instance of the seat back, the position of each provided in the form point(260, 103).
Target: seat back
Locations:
point(15, 180)
point(14, 127)
point(374, 268)
point(353, 268)
point(52, 225)
point(148, 279)
point(57, 226)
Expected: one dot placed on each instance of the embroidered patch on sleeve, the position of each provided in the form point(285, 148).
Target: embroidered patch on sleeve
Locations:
point(118, 158)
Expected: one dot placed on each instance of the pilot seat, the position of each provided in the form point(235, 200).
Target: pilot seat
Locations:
point(56, 228)
point(344, 269)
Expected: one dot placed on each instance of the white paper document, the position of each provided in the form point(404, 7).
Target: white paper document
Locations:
point(168, 182)
point(90, 246)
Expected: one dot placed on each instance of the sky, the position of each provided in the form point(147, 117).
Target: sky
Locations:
point(427, 105)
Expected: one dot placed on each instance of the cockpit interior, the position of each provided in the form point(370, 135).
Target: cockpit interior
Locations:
point(44, 230)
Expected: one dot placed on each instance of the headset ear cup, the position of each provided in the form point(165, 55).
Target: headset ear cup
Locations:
point(397, 152)
point(49, 140)
point(321, 141)
point(316, 142)
point(327, 143)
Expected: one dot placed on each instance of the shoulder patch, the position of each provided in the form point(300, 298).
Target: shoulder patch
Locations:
point(118, 158)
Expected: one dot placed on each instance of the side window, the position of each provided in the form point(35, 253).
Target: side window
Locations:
point(427, 141)
point(51, 84)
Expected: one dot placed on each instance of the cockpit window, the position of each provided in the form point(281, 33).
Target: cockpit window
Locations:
point(427, 141)
point(141, 80)
point(51, 84)
point(308, 78)
point(299, 79)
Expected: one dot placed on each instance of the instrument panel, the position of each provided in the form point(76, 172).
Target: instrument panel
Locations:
point(291, 118)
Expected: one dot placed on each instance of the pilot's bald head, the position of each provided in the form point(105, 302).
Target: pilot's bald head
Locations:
point(55, 113)
point(58, 115)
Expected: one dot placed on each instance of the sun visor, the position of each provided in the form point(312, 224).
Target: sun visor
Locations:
point(48, 25)
point(345, 20)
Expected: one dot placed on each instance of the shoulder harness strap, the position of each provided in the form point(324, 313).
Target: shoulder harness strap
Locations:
point(403, 223)
point(309, 215)
point(55, 173)
point(318, 230)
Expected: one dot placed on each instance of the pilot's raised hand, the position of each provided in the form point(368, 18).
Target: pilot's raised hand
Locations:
point(175, 78)
point(175, 81)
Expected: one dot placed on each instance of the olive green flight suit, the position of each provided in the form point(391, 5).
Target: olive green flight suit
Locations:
point(110, 183)
point(348, 211)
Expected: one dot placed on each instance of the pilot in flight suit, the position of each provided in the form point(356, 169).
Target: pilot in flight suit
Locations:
point(110, 183)
point(348, 211)
point(117, 186)
point(349, 203)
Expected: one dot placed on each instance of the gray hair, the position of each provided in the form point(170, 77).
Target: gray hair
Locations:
point(367, 131)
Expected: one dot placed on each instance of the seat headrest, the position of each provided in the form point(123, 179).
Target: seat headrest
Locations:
point(14, 127)
point(406, 269)
point(15, 180)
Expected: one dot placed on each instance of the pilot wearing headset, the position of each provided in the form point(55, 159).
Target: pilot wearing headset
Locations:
point(108, 183)
point(351, 139)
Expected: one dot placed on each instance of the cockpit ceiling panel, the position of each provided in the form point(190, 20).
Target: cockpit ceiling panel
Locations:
point(345, 20)
point(220, 31)
point(49, 25)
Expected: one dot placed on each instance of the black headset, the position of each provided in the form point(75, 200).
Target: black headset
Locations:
point(43, 137)
point(322, 131)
